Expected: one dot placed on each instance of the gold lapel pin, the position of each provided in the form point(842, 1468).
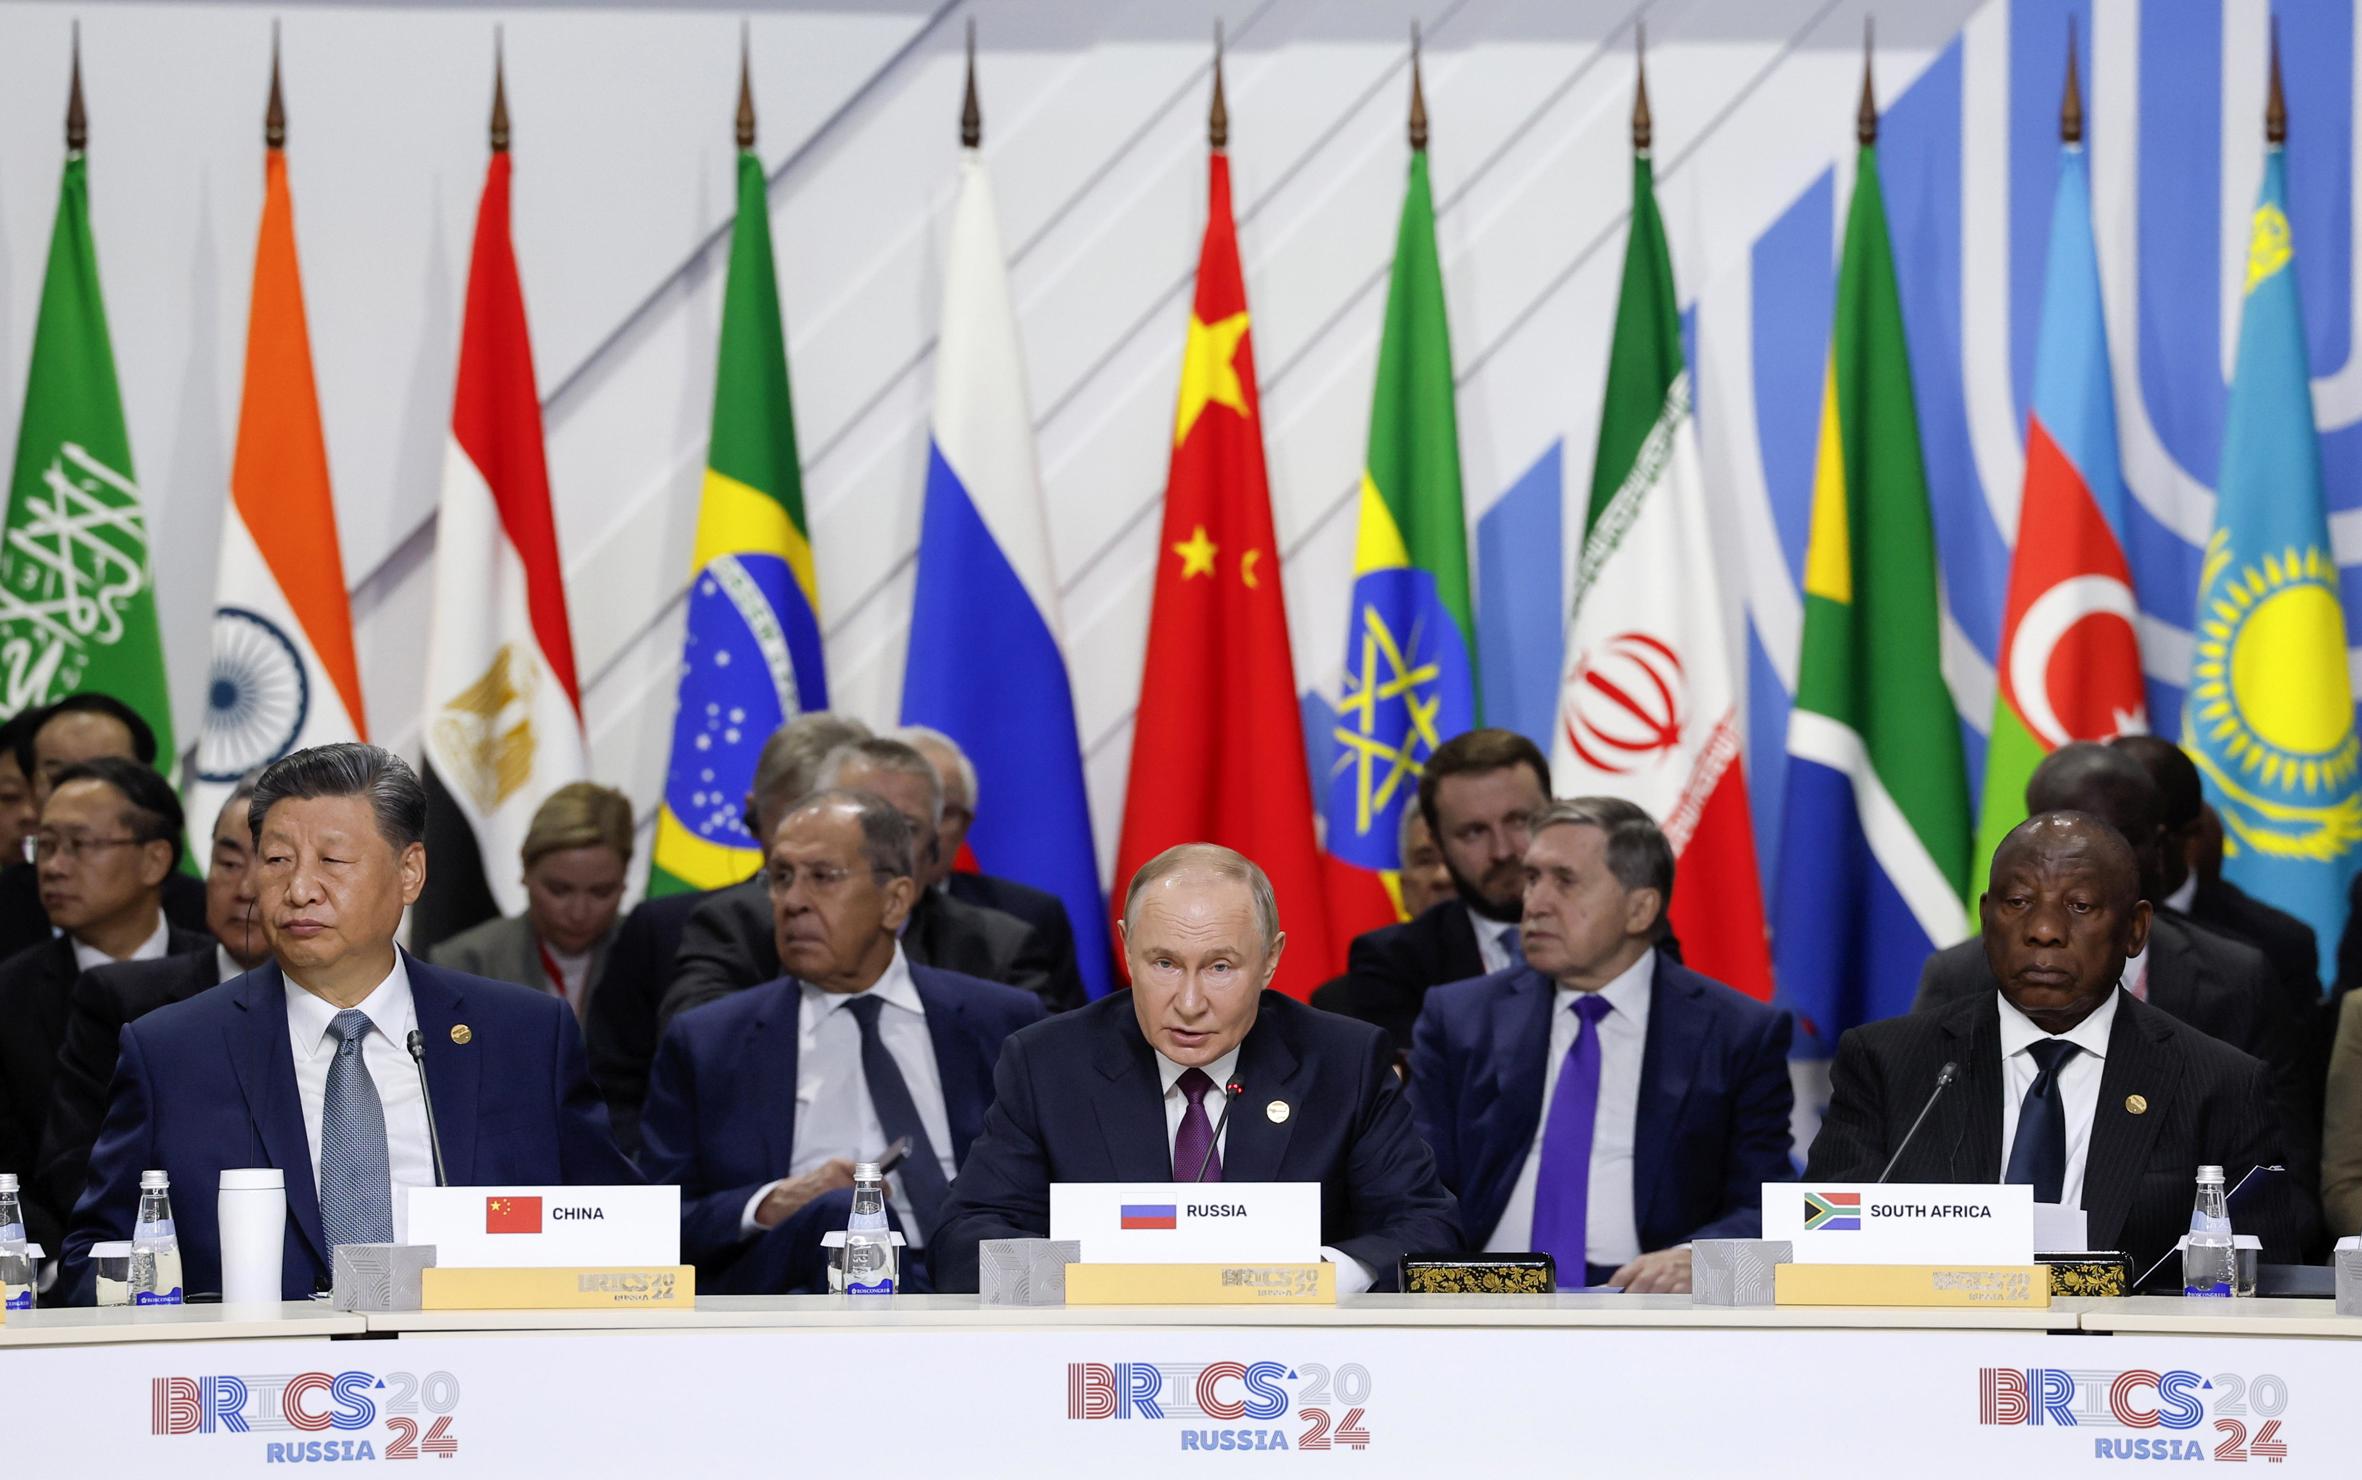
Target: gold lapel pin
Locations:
point(2137, 1104)
point(461, 1032)
point(1276, 1112)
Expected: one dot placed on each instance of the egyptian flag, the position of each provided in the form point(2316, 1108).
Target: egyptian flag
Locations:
point(503, 721)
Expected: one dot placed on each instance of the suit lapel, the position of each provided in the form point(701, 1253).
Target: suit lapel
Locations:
point(1463, 957)
point(264, 1060)
point(1970, 1127)
point(1253, 1144)
point(1130, 1104)
point(770, 1066)
point(1677, 1038)
point(2120, 1140)
point(1521, 1047)
point(453, 1069)
point(959, 1067)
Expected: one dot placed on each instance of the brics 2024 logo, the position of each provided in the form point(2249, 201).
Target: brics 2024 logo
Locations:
point(1230, 1406)
point(2157, 1409)
point(358, 1415)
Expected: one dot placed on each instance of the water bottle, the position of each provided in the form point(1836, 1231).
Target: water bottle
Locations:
point(866, 1264)
point(2207, 1260)
point(155, 1247)
point(17, 1274)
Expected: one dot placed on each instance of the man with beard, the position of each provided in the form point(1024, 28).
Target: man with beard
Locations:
point(1479, 793)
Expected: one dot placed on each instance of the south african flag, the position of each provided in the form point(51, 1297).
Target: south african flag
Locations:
point(1832, 1212)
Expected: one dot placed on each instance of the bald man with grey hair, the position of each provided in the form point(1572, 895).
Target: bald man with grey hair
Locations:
point(1203, 1074)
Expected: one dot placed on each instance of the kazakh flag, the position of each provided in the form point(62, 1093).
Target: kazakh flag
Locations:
point(1410, 649)
point(2270, 718)
point(752, 660)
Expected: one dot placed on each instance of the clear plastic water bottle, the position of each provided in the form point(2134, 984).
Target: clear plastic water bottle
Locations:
point(155, 1247)
point(17, 1274)
point(2207, 1262)
point(867, 1264)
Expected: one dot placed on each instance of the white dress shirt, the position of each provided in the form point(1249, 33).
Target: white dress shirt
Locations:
point(834, 1114)
point(1491, 948)
point(2078, 1086)
point(87, 957)
point(385, 1053)
point(1611, 1230)
point(225, 965)
point(2136, 968)
point(2180, 900)
point(1353, 1276)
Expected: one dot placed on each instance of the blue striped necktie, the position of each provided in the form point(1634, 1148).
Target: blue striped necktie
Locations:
point(356, 1170)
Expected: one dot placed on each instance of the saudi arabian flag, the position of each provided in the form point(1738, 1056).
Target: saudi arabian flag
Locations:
point(752, 657)
point(77, 601)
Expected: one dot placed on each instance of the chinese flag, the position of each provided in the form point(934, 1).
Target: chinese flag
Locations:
point(512, 1215)
point(1217, 743)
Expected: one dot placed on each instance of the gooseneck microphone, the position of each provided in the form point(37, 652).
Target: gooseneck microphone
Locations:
point(1944, 1076)
point(1230, 1094)
point(434, 1138)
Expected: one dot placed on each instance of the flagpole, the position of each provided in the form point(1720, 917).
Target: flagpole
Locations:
point(77, 121)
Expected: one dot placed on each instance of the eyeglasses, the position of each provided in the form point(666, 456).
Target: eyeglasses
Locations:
point(41, 848)
point(824, 878)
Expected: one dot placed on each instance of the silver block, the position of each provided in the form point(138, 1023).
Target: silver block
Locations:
point(379, 1276)
point(2349, 1282)
point(1025, 1271)
point(1736, 1271)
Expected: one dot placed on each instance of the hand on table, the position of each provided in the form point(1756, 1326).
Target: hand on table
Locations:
point(1665, 1272)
point(783, 1200)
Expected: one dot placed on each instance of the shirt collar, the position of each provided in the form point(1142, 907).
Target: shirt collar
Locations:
point(2091, 1035)
point(1487, 929)
point(1628, 993)
point(894, 987)
point(1220, 1071)
point(152, 949)
point(226, 965)
point(2180, 900)
point(388, 1007)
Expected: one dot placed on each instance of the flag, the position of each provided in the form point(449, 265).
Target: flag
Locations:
point(1649, 709)
point(283, 674)
point(1832, 1212)
point(77, 597)
point(503, 722)
point(1147, 1215)
point(1874, 848)
point(2270, 714)
point(512, 1215)
point(1217, 753)
point(752, 658)
point(1410, 644)
point(2070, 664)
point(985, 663)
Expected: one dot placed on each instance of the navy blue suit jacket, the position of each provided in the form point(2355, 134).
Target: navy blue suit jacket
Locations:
point(1714, 1099)
point(1078, 1099)
point(209, 1083)
point(721, 1115)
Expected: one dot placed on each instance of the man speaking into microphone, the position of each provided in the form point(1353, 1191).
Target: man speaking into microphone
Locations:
point(305, 1064)
point(1201, 1074)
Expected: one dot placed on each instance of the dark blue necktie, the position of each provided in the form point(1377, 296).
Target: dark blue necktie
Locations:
point(898, 1115)
point(1513, 946)
point(2038, 1157)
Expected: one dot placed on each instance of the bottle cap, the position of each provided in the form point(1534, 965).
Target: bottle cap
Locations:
point(2210, 1174)
point(7, 1181)
point(867, 1171)
point(154, 1181)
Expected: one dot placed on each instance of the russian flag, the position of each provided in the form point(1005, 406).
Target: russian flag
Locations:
point(1148, 1215)
point(985, 664)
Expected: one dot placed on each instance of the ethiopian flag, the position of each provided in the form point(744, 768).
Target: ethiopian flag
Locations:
point(1410, 645)
point(77, 599)
point(752, 659)
point(1874, 850)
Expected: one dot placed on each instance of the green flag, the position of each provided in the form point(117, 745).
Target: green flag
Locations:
point(77, 601)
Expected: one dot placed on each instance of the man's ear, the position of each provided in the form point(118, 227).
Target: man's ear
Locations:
point(2136, 929)
point(155, 862)
point(413, 871)
point(901, 892)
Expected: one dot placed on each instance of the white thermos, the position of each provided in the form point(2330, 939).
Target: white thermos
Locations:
point(253, 1218)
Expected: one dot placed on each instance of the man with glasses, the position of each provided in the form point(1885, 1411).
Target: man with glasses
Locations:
point(762, 1101)
point(108, 838)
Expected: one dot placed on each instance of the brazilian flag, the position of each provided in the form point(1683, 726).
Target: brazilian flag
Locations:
point(752, 659)
point(1410, 648)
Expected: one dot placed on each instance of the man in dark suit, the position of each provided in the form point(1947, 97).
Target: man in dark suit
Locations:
point(106, 997)
point(1477, 792)
point(762, 1102)
point(1131, 1088)
point(1601, 1102)
point(311, 1050)
point(727, 945)
point(2067, 1082)
point(1041, 911)
point(110, 834)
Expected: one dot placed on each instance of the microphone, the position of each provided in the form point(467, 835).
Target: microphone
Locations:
point(1944, 1076)
point(434, 1138)
point(1230, 1094)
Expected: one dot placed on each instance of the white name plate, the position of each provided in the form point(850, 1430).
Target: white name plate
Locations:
point(1902, 1222)
point(547, 1227)
point(1189, 1222)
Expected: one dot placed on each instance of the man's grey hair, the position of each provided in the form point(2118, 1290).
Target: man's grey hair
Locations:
point(888, 842)
point(347, 769)
point(241, 797)
point(1219, 862)
point(1639, 856)
point(789, 765)
point(918, 735)
point(891, 756)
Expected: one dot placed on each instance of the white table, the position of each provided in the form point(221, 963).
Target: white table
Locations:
point(88, 1326)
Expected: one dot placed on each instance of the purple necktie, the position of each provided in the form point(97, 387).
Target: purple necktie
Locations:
point(1194, 1146)
point(1562, 1191)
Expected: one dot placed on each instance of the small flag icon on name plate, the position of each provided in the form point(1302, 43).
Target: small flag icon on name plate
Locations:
point(512, 1215)
point(1832, 1212)
point(1148, 1215)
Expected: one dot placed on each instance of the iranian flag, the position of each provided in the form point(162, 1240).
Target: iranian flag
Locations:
point(1649, 709)
point(503, 717)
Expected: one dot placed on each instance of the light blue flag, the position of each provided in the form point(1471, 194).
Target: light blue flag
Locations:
point(2270, 718)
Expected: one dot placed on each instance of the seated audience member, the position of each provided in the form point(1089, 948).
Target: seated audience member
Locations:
point(110, 995)
point(1131, 1088)
point(1600, 1102)
point(1476, 792)
point(2341, 1128)
point(620, 1028)
point(80, 727)
point(576, 852)
point(761, 1102)
point(18, 816)
point(728, 946)
point(109, 836)
point(2067, 1082)
point(311, 1050)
